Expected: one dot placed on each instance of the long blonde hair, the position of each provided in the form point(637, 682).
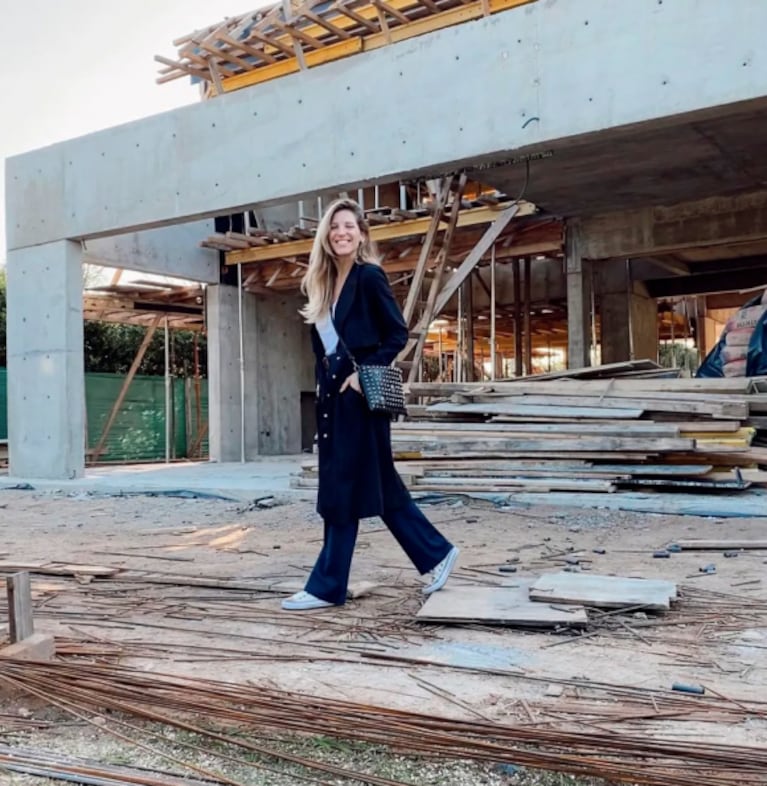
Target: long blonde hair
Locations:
point(319, 281)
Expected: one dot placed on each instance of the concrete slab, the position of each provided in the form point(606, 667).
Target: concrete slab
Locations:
point(550, 74)
point(38, 646)
point(264, 477)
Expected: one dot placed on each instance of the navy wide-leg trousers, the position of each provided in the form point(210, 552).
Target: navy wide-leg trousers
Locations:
point(419, 538)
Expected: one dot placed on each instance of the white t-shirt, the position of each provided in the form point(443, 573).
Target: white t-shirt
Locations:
point(327, 331)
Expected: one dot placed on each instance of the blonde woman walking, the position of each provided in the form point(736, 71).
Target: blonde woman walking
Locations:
point(351, 306)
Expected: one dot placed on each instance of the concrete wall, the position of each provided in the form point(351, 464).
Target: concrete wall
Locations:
point(521, 80)
point(283, 368)
point(278, 367)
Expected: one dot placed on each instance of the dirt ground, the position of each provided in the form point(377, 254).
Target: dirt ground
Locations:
point(163, 613)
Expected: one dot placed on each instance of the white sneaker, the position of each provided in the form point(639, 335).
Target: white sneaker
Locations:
point(302, 601)
point(441, 572)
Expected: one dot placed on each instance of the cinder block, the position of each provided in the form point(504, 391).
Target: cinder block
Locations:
point(38, 646)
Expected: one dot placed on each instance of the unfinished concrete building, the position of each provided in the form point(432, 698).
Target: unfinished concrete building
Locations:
point(566, 166)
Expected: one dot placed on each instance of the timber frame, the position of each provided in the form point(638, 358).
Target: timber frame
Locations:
point(287, 37)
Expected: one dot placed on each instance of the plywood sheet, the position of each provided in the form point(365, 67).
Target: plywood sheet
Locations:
point(497, 606)
point(609, 592)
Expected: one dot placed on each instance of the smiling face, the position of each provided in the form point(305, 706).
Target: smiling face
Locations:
point(345, 235)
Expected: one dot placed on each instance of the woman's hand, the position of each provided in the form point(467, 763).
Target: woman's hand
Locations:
point(353, 382)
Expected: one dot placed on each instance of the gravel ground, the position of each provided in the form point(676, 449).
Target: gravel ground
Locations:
point(253, 769)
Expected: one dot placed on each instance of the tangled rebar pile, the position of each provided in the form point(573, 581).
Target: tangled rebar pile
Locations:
point(237, 710)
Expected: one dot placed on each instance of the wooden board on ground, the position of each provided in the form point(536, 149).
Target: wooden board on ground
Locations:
point(716, 545)
point(497, 606)
point(58, 568)
point(607, 592)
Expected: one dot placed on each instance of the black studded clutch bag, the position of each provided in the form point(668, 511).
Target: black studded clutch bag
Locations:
point(381, 386)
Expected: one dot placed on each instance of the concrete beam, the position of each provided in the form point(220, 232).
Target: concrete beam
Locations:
point(168, 251)
point(277, 141)
point(708, 283)
point(46, 384)
point(657, 230)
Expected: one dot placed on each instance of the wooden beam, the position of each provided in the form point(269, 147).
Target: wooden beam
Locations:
point(260, 54)
point(21, 624)
point(373, 39)
point(487, 240)
point(416, 345)
point(426, 250)
point(418, 226)
point(291, 65)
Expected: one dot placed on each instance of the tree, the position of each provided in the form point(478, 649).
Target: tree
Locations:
point(111, 348)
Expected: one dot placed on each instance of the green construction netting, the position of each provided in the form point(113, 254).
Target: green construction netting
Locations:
point(3, 404)
point(138, 432)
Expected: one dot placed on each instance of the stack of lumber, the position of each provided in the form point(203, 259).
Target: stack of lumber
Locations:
point(565, 434)
point(584, 435)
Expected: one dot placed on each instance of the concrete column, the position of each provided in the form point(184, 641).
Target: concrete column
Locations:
point(578, 299)
point(224, 410)
point(278, 368)
point(628, 315)
point(644, 323)
point(46, 383)
point(282, 368)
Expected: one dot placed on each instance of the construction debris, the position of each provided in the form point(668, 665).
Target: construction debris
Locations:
point(581, 435)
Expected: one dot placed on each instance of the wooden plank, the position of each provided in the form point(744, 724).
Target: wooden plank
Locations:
point(550, 412)
point(530, 484)
point(701, 426)
point(474, 256)
point(418, 226)
point(497, 606)
point(291, 65)
point(544, 444)
point(422, 326)
point(58, 568)
point(638, 429)
point(21, 624)
point(723, 545)
point(596, 387)
point(752, 504)
point(426, 249)
point(429, 454)
point(485, 469)
point(607, 592)
point(728, 409)
point(688, 484)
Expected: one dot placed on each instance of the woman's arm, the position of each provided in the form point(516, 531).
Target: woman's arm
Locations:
point(386, 314)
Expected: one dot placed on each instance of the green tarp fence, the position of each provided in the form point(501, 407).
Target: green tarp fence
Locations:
point(138, 433)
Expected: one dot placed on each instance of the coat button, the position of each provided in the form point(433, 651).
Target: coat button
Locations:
point(334, 376)
point(324, 436)
point(325, 415)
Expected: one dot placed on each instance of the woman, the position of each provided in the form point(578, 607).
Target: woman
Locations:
point(352, 310)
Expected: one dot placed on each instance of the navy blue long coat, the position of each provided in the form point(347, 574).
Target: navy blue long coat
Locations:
point(357, 478)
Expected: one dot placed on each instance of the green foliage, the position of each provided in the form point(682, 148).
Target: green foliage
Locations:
point(111, 348)
point(674, 354)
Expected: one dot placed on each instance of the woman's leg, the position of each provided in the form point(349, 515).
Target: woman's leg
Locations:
point(420, 539)
point(330, 577)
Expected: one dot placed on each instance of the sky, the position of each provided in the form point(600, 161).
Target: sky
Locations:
point(69, 67)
